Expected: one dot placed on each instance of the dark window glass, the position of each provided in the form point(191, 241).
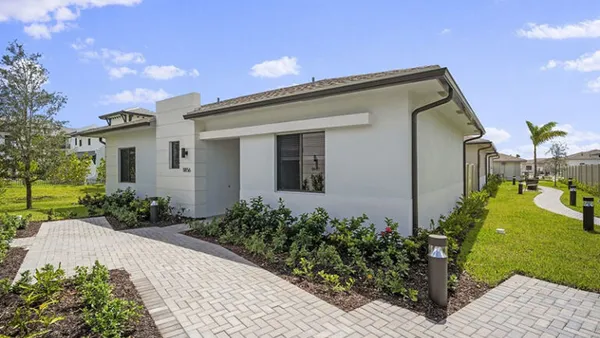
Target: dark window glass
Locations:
point(174, 154)
point(89, 141)
point(301, 162)
point(80, 143)
point(127, 161)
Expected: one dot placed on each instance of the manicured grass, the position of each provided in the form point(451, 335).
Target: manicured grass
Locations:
point(61, 198)
point(537, 243)
point(565, 199)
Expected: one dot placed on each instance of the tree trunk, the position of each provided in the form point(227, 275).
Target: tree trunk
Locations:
point(28, 189)
point(535, 173)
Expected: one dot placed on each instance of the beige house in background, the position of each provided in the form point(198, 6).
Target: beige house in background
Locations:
point(477, 151)
point(508, 166)
point(583, 158)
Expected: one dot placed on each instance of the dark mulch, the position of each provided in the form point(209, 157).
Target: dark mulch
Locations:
point(467, 290)
point(31, 230)
point(116, 225)
point(12, 262)
point(70, 307)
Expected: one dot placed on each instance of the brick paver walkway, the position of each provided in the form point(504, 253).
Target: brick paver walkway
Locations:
point(197, 289)
point(549, 200)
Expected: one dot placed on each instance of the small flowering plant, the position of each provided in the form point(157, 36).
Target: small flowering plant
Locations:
point(390, 235)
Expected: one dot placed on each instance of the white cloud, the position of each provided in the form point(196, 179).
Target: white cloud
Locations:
point(589, 62)
point(119, 72)
point(47, 16)
point(138, 95)
point(112, 55)
point(167, 72)
point(584, 29)
point(82, 44)
point(496, 135)
point(593, 86)
point(445, 31)
point(576, 141)
point(276, 68)
point(44, 31)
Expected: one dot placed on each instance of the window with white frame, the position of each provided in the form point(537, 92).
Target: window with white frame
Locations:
point(301, 162)
point(174, 155)
point(127, 165)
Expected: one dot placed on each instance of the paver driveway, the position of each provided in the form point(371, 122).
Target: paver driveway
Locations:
point(197, 289)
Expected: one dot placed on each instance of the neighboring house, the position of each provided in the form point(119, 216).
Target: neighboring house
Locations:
point(508, 166)
point(478, 153)
point(583, 158)
point(386, 144)
point(543, 167)
point(91, 146)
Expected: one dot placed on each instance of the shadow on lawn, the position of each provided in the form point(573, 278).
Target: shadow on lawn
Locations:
point(469, 242)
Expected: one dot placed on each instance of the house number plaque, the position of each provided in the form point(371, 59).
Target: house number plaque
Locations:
point(187, 170)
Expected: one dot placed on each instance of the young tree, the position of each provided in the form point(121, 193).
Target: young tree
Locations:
point(101, 171)
point(540, 135)
point(28, 115)
point(71, 169)
point(558, 153)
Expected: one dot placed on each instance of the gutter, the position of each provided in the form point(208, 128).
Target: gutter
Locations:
point(479, 165)
point(465, 161)
point(108, 129)
point(415, 155)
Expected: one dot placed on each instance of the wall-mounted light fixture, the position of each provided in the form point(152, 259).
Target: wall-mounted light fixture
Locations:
point(184, 153)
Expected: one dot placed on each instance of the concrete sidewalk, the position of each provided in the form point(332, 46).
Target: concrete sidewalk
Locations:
point(549, 200)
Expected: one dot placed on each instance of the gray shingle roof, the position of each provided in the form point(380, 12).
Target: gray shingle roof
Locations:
point(509, 158)
point(310, 87)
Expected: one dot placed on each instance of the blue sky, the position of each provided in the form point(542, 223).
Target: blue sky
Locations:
point(513, 59)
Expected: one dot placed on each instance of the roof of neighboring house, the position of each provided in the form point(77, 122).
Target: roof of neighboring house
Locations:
point(129, 111)
point(508, 158)
point(78, 131)
point(585, 155)
point(329, 87)
point(145, 121)
point(477, 141)
point(542, 160)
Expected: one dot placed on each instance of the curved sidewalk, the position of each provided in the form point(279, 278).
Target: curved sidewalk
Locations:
point(549, 200)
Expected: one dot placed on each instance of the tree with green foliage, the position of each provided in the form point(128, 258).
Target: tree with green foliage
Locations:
point(28, 114)
point(71, 169)
point(540, 135)
point(558, 159)
point(101, 171)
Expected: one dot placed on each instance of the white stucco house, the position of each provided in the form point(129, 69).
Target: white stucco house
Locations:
point(91, 146)
point(479, 153)
point(584, 158)
point(508, 166)
point(388, 144)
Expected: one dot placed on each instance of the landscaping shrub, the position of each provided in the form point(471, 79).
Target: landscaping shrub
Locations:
point(16, 221)
point(129, 209)
point(594, 190)
point(352, 253)
point(492, 184)
point(8, 230)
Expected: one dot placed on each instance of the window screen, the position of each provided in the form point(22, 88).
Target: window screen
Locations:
point(174, 154)
point(127, 164)
point(301, 162)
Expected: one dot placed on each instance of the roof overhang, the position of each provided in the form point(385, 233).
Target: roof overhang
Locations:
point(100, 132)
point(123, 112)
point(440, 74)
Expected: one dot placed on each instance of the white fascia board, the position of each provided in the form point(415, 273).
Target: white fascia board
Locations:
point(360, 119)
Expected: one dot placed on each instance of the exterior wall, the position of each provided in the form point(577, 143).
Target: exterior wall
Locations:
point(223, 171)
point(95, 146)
point(508, 169)
point(185, 183)
point(357, 179)
point(144, 141)
point(440, 167)
point(582, 162)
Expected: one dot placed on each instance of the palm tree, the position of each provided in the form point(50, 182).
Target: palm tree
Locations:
point(542, 134)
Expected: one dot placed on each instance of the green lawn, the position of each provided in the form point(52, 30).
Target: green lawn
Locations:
point(537, 243)
point(565, 197)
point(61, 198)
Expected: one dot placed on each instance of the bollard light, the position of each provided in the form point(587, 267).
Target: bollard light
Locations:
point(153, 212)
point(573, 195)
point(521, 184)
point(514, 180)
point(588, 213)
point(570, 183)
point(438, 269)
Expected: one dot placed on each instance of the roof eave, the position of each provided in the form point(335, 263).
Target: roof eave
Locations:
point(108, 129)
point(347, 89)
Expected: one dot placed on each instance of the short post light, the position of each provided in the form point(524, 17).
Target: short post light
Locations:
point(588, 213)
point(521, 184)
point(514, 180)
point(570, 182)
point(573, 195)
point(153, 212)
point(438, 269)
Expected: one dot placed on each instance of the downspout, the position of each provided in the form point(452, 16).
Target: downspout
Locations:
point(100, 139)
point(465, 160)
point(415, 157)
point(479, 165)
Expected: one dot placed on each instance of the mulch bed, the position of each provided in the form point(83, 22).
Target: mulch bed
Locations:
point(116, 225)
point(70, 307)
point(12, 262)
point(467, 289)
point(31, 230)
